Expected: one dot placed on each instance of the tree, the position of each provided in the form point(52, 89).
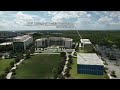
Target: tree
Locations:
point(2, 76)
point(27, 55)
point(69, 65)
point(70, 60)
point(61, 76)
point(7, 70)
point(54, 71)
point(62, 54)
point(11, 55)
point(32, 50)
point(17, 59)
point(0, 55)
point(59, 69)
point(113, 74)
point(12, 64)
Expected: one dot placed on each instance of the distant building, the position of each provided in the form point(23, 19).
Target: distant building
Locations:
point(22, 42)
point(60, 41)
point(6, 43)
point(7, 34)
point(42, 42)
point(89, 63)
point(86, 44)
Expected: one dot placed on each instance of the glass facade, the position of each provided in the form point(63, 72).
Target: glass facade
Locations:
point(18, 46)
point(90, 69)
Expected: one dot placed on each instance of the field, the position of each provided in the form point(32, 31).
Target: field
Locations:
point(38, 67)
point(4, 64)
point(74, 74)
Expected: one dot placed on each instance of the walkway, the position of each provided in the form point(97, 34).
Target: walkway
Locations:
point(10, 73)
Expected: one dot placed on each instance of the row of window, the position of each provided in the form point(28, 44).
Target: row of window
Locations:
point(90, 72)
point(90, 67)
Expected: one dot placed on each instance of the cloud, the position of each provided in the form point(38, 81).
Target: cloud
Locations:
point(84, 19)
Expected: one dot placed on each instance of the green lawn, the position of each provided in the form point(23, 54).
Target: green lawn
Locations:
point(4, 64)
point(74, 74)
point(38, 67)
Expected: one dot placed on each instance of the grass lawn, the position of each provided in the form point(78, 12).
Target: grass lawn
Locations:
point(38, 67)
point(4, 64)
point(74, 74)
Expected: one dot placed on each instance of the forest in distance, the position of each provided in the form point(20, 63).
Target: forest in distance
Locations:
point(107, 38)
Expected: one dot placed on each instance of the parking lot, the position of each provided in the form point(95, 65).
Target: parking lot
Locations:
point(112, 64)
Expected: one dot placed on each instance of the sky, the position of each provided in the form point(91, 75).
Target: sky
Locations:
point(82, 20)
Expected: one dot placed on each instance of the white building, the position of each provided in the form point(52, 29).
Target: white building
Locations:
point(60, 41)
point(6, 43)
point(68, 42)
point(87, 45)
point(85, 42)
point(22, 42)
point(42, 42)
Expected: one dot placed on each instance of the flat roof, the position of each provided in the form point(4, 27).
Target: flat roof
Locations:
point(21, 37)
point(88, 59)
point(6, 43)
point(40, 39)
point(85, 41)
point(68, 39)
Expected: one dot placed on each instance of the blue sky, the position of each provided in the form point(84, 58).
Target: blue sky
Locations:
point(84, 20)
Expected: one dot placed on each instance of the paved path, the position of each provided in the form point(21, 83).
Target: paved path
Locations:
point(65, 66)
point(10, 73)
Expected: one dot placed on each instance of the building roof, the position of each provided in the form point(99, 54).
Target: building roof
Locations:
point(21, 38)
point(89, 59)
point(40, 39)
point(85, 41)
point(68, 39)
point(6, 43)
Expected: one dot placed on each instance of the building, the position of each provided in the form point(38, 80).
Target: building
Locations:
point(59, 41)
point(89, 63)
point(68, 42)
point(42, 42)
point(7, 34)
point(6, 43)
point(86, 44)
point(22, 42)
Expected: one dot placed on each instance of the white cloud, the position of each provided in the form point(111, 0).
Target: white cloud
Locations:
point(105, 20)
point(63, 15)
point(85, 19)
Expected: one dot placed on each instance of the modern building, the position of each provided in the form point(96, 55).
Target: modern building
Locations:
point(59, 41)
point(22, 42)
point(89, 63)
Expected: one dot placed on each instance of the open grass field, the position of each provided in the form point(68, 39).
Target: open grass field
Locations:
point(38, 67)
point(74, 74)
point(4, 64)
